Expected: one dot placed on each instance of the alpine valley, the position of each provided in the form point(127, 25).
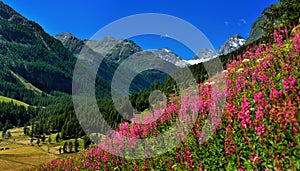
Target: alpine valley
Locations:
point(259, 128)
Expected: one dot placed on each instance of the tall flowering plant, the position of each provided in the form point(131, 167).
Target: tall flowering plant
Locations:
point(259, 128)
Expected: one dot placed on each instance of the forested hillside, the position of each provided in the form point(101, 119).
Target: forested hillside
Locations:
point(35, 68)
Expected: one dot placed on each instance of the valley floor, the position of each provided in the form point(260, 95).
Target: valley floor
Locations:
point(17, 153)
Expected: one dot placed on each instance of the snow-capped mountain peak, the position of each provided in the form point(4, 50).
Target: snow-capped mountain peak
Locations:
point(169, 56)
point(165, 49)
point(232, 44)
point(202, 55)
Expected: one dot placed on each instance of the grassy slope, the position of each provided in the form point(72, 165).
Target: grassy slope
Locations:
point(27, 84)
point(17, 102)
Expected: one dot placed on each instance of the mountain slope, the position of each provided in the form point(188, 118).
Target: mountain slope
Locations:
point(205, 54)
point(114, 52)
point(233, 43)
point(170, 57)
point(257, 31)
point(17, 102)
point(31, 53)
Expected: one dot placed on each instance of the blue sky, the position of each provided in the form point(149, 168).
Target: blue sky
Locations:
point(218, 20)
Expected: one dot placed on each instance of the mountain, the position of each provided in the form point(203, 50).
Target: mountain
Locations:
point(202, 55)
point(122, 50)
point(33, 63)
point(284, 13)
point(231, 44)
point(33, 54)
point(71, 42)
point(257, 31)
point(114, 52)
point(170, 56)
point(205, 54)
point(35, 70)
point(117, 50)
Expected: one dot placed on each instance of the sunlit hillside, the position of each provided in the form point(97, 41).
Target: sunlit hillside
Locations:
point(259, 129)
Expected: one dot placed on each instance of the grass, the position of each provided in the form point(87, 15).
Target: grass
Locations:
point(21, 155)
point(27, 84)
point(22, 158)
point(17, 102)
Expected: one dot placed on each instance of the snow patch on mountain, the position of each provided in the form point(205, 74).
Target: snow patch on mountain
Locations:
point(233, 43)
point(170, 56)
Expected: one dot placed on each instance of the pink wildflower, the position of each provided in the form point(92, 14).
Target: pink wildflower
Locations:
point(296, 41)
point(260, 130)
point(245, 114)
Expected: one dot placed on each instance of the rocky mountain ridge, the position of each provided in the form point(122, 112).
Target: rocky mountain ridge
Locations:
point(231, 44)
point(117, 50)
